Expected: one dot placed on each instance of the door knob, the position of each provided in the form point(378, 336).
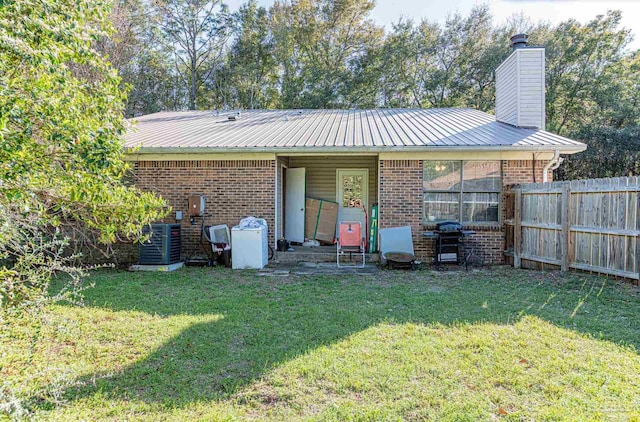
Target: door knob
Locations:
point(301, 209)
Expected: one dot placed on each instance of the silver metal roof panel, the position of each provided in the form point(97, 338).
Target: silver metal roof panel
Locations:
point(349, 130)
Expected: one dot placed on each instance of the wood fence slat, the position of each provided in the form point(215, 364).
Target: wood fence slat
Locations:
point(637, 242)
point(612, 232)
point(587, 267)
point(542, 259)
point(541, 226)
point(564, 236)
point(517, 229)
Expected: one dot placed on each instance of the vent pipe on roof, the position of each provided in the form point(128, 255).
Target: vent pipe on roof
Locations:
point(519, 41)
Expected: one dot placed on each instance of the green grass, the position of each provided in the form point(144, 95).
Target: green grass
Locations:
point(212, 344)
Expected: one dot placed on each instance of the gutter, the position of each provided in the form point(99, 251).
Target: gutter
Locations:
point(565, 149)
point(553, 164)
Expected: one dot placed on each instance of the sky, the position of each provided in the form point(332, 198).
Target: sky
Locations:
point(387, 12)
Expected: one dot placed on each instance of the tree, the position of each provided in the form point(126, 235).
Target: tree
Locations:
point(61, 150)
point(431, 65)
point(287, 55)
point(579, 59)
point(144, 65)
point(611, 152)
point(320, 45)
point(617, 96)
point(251, 72)
point(328, 53)
point(197, 31)
point(456, 61)
point(395, 66)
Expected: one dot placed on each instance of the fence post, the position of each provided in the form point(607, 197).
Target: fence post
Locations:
point(517, 228)
point(564, 234)
point(636, 226)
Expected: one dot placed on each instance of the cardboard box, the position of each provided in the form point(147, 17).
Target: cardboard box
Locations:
point(320, 220)
point(326, 229)
point(311, 210)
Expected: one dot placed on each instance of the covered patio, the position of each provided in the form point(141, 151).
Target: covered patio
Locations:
point(351, 182)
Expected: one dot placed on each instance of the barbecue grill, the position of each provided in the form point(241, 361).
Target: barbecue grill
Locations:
point(449, 242)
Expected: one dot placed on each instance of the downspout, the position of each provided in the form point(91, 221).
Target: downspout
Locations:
point(553, 164)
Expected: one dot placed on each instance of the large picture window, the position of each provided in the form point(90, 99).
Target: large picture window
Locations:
point(466, 191)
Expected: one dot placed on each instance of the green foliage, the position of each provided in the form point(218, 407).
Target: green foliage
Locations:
point(429, 65)
point(144, 64)
point(196, 31)
point(332, 37)
point(319, 49)
point(32, 256)
point(580, 61)
point(248, 79)
point(61, 154)
point(611, 152)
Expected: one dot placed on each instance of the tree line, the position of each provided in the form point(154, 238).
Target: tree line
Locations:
point(196, 54)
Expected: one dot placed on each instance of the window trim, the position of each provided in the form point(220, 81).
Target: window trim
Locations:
point(460, 193)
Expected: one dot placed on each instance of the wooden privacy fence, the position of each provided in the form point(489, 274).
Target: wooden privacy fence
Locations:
point(590, 225)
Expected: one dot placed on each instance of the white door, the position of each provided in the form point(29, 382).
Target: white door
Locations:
point(352, 196)
point(294, 199)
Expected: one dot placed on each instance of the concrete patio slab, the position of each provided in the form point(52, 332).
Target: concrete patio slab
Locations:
point(157, 268)
point(314, 268)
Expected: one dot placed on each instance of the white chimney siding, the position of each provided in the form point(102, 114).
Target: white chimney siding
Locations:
point(520, 86)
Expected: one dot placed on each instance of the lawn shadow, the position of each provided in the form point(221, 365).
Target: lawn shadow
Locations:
point(268, 321)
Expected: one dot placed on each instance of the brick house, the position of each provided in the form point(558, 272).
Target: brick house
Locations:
point(420, 166)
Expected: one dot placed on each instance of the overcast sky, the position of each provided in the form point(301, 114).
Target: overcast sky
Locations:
point(388, 11)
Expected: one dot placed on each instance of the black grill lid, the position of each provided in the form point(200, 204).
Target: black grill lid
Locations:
point(448, 226)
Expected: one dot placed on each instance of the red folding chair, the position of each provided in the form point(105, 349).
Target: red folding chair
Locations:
point(350, 241)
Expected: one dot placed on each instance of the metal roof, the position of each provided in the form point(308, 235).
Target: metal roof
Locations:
point(337, 130)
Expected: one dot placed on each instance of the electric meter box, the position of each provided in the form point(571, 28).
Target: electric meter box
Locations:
point(196, 205)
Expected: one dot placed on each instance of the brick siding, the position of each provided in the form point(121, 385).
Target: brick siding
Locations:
point(401, 205)
point(233, 189)
point(401, 199)
point(523, 171)
point(236, 189)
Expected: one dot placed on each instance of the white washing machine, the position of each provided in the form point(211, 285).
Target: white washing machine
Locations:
point(249, 247)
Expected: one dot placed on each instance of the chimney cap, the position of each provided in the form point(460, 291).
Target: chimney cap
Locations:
point(519, 41)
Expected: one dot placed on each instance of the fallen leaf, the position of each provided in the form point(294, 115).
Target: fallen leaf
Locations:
point(502, 412)
point(523, 360)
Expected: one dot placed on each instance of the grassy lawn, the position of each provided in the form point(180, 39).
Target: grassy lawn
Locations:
point(211, 344)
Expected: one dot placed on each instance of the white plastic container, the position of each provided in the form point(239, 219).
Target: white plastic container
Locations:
point(249, 247)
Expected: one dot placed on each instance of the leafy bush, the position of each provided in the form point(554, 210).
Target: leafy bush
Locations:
point(61, 150)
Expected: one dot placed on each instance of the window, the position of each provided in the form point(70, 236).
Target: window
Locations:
point(352, 186)
point(466, 191)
